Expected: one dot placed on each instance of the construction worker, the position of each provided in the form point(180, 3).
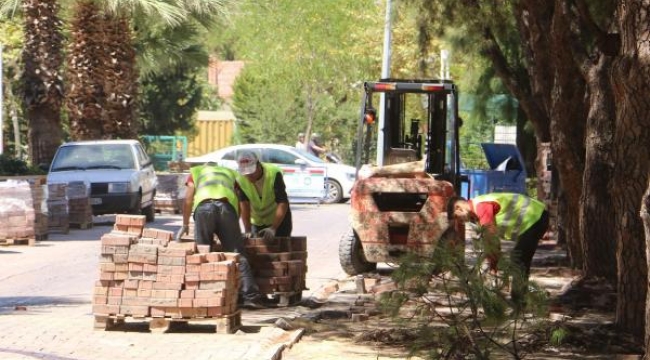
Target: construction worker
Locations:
point(507, 216)
point(263, 200)
point(212, 197)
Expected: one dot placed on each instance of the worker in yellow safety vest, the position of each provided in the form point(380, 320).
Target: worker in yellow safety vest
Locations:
point(212, 197)
point(507, 216)
point(264, 203)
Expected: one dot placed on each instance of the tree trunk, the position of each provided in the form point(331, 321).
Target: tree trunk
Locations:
point(645, 217)
point(44, 133)
point(87, 58)
point(120, 80)
point(596, 223)
point(41, 79)
point(568, 113)
point(631, 85)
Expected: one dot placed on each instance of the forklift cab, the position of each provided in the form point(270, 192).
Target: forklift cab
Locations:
point(420, 123)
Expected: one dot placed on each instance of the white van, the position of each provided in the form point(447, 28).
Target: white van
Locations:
point(119, 175)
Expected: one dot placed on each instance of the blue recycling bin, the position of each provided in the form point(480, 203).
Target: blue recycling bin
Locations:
point(507, 172)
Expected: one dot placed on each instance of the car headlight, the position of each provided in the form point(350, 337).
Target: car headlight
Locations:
point(118, 188)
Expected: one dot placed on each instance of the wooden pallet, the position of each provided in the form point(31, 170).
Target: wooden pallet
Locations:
point(227, 324)
point(31, 241)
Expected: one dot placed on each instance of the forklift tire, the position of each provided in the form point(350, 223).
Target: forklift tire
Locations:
point(351, 255)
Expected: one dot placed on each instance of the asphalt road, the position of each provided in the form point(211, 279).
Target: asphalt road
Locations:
point(63, 269)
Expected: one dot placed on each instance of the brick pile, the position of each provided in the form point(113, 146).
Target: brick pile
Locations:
point(279, 265)
point(24, 220)
point(144, 273)
point(38, 190)
point(80, 211)
point(57, 208)
point(170, 193)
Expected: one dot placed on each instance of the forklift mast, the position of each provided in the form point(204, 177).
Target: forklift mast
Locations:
point(420, 122)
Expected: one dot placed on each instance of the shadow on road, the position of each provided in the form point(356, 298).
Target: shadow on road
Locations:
point(22, 303)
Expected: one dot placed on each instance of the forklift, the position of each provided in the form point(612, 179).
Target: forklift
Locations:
point(398, 204)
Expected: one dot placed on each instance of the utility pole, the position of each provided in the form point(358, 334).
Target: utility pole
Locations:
point(2, 123)
point(385, 73)
point(444, 64)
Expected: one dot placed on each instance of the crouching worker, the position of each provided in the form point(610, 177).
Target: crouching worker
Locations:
point(212, 197)
point(264, 203)
point(508, 216)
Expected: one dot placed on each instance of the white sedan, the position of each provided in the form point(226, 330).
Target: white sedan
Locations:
point(338, 180)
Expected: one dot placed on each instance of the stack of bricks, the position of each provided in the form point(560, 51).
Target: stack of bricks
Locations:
point(80, 211)
point(57, 208)
point(17, 212)
point(144, 273)
point(279, 265)
point(170, 193)
point(39, 193)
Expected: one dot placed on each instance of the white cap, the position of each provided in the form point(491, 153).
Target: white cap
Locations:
point(246, 162)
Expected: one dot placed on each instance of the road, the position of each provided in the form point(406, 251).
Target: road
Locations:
point(63, 269)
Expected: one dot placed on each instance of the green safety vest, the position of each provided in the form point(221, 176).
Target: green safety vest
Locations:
point(262, 205)
point(214, 182)
point(517, 214)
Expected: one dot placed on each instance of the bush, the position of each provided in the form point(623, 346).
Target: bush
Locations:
point(462, 310)
point(10, 166)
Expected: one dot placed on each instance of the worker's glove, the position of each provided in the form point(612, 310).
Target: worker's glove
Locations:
point(266, 233)
point(246, 235)
point(184, 230)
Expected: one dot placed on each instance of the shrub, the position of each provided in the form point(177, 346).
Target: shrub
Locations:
point(10, 166)
point(461, 309)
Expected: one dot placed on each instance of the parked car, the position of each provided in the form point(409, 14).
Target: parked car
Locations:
point(118, 174)
point(338, 180)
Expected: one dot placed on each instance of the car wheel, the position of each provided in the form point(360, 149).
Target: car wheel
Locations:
point(137, 208)
point(351, 256)
point(333, 192)
point(150, 213)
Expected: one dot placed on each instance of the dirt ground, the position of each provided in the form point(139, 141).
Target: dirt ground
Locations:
point(584, 309)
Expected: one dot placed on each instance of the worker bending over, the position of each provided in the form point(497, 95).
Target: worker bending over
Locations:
point(212, 197)
point(507, 216)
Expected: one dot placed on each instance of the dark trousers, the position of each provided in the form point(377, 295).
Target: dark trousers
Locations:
point(219, 217)
point(523, 252)
point(284, 230)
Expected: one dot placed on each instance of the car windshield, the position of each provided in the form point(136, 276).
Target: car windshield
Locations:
point(99, 156)
point(309, 156)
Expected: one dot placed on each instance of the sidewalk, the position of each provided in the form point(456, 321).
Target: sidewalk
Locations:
point(66, 333)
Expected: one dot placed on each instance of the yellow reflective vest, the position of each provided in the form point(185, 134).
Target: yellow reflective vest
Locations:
point(517, 214)
point(214, 182)
point(263, 204)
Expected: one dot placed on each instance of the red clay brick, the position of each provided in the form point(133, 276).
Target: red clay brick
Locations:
point(100, 309)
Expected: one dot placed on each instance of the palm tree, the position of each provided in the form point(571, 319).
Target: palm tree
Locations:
point(85, 67)
point(117, 72)
point(42, 83)
point(103, 79)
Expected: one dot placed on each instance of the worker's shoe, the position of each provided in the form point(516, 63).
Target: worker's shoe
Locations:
point(254, 304)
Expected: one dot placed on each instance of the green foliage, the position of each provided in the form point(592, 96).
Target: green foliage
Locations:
point(558, 335)
point(10, 166)
point(170, 101)
point(460, 308)
point(304, 65)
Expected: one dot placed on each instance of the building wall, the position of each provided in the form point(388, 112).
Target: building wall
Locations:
point(222, 74)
